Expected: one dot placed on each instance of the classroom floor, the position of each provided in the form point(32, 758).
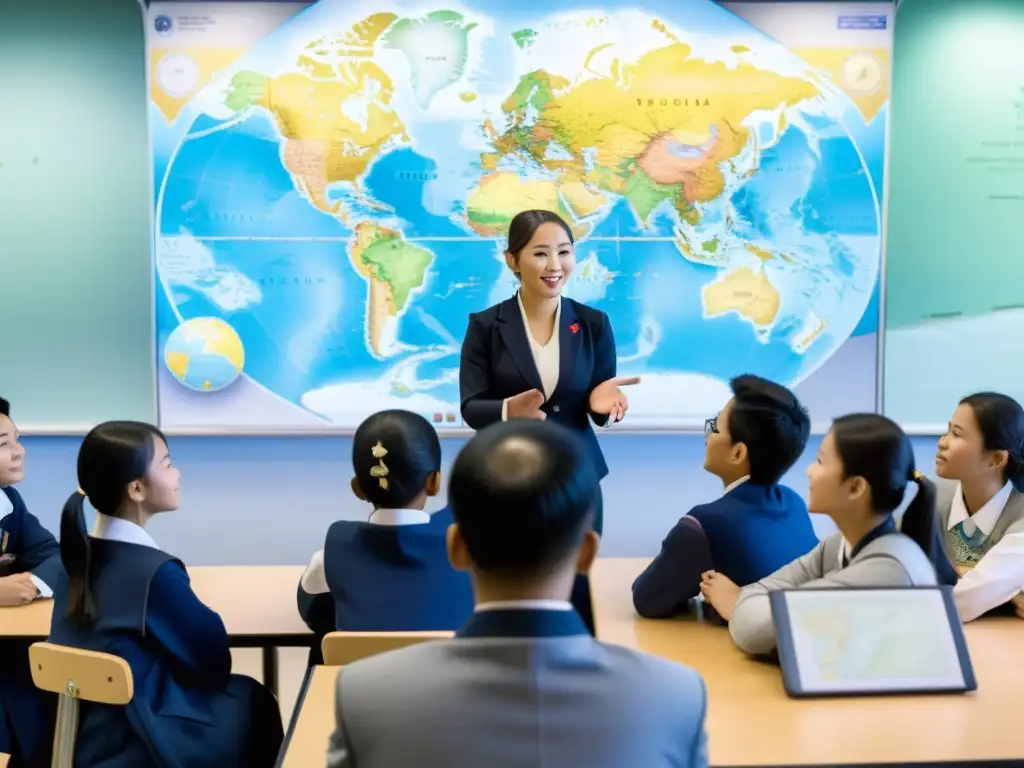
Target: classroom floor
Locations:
point(291, 666)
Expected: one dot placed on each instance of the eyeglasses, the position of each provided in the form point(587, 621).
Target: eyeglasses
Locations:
point(710, 427)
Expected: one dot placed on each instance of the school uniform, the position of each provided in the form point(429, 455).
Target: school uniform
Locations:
point(521, 684)
point(747, 534)
point(389, 574)
point(26, 714)
point(991, 542)
point(883, 558)
point(188, 709)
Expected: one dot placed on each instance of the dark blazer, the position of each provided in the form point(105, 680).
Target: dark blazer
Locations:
point(25, 713)
point(497, 363)
point(389, 578)
point(188, 709)
point(747, 534)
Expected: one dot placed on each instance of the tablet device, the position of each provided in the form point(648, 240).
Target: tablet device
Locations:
point(870, 641)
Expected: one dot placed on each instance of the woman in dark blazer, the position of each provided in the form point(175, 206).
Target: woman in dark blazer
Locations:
point(538, 355)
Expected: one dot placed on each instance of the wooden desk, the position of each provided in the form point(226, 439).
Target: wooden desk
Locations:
point(257, 603)
point(751, 721)
point(306, 742)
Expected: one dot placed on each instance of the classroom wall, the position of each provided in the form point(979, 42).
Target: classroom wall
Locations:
point(269, 500)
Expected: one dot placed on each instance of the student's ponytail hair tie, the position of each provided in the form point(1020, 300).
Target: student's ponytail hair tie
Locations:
point(380, 470)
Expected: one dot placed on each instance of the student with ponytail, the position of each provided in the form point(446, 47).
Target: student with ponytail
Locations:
point(859, 479)
point(123, 595)
point(390, 572)
point(980, 464)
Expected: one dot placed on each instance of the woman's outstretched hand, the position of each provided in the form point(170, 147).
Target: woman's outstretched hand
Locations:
point(607, 397)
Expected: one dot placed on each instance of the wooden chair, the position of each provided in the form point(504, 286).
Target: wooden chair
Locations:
point(342, 648)
point(76, 675)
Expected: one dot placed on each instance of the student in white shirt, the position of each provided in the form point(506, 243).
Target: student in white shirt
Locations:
point(980, 463)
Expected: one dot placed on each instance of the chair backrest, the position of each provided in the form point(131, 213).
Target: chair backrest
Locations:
point(74, 674)
point(341, 648)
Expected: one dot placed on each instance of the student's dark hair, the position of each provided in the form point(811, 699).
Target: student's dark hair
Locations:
point(876, 448)
point(113, 455)
point(526, 223)
point(413, 455)
point(5, 408)
point(771, 422)
point(1001, 423)
point(522, 493)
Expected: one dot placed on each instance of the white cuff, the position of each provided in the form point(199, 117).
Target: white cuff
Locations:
point(45, 593)
point(504, 409)
point(314, 580)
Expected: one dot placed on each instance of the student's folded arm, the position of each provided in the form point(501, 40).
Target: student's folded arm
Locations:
point(478, 410)
point(188, 631)
point(316, 607)
point(40, 552)
point(996, 580)
point(699, 756)
point(751, 625)
point(673, 577)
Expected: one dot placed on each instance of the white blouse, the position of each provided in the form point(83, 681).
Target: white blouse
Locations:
point(545, 356)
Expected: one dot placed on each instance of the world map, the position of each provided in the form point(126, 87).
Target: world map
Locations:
point(341, 197)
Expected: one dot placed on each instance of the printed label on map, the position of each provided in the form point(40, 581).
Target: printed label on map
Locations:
point(872, 21)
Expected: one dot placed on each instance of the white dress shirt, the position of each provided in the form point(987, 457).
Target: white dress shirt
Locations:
point(999, 575)
point(525, 605)
point(735, 484)
point(6, 507)
point(117, 529)
point(314, 578)
point(545, 356)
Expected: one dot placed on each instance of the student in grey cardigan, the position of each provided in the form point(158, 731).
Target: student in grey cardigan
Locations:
point(858, 478)
point(980, 464)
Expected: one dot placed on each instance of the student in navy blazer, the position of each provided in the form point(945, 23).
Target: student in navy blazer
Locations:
point(124, 596)
point(389, 573)
point(538, 355)
point(757, 525)
point(29, 567)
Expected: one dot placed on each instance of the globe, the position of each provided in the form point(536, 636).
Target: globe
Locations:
point(343, 191)
point(205, 354)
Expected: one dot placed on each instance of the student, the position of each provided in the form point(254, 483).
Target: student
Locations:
point(858, 479)
point(29, 566)
point(390, 573)
point(757, 525)
point(523, 682)
point(126, 597)
point(980, 461)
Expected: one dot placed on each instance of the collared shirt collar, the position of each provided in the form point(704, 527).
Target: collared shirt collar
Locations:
point(984, 519)
point(399, 517)
point(885, 527)
point(117, 529)
point(525, 605)
point(735, 484)
point(526, 320)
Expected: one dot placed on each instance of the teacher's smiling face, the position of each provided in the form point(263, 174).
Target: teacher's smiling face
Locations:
point(545, 263)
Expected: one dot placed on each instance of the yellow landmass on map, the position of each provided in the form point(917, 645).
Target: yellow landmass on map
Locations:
point(761, 253)
point(336, 118)
point(208, 61)
point(582, 199)
point(830, 61)
point(393, 268)
point(500, 196)
point(744, 291)
point(178, 363)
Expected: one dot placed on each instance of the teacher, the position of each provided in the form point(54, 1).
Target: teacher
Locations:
point(539, 355)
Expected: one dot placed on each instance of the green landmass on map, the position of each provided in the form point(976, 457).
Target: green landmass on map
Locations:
point(436, 47)
point(524, 38)
point(400, 264)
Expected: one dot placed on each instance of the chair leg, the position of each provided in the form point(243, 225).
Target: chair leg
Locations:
point(67, 730)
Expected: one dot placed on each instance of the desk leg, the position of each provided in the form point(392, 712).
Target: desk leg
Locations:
point(270, 668)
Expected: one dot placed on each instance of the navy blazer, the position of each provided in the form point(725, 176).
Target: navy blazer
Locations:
point(497, 363)
point(389, 578)
point(25, 712)
point(747, 534)
point(187, 709)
